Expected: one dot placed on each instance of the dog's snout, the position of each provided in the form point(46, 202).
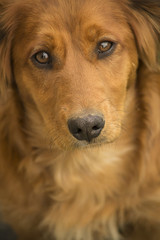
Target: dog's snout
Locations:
point(86, 128)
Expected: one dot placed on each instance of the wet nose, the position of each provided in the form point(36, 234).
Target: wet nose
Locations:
point(86, 128)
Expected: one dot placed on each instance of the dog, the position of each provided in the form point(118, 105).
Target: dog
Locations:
point(80, 119)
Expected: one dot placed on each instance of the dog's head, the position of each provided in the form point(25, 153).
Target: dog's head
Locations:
point(73, 63)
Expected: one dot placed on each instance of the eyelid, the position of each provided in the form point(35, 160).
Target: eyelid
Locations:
point(40, 48)
point(108, 37)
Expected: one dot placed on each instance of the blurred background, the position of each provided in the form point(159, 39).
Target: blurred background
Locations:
point(6, 233)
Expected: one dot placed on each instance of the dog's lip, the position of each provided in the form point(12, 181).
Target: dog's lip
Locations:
point(93, 143)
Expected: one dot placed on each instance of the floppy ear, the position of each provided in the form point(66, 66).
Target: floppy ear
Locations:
point(6, 37)
point(144, 19)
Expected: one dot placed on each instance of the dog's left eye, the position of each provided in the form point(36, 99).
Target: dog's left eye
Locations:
point(42, 57)
point(105, 48)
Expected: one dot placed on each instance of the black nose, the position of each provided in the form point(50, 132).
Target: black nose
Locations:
point(86, 128)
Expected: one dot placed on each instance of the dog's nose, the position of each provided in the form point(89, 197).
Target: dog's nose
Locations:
point(86, 128)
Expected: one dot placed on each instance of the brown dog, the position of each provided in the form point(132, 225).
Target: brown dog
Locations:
point(80, 118)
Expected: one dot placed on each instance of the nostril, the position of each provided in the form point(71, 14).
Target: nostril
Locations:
point(79, 130)
point(95, 128)
point(76, 128)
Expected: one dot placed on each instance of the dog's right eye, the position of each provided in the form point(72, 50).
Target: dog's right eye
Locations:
point(42, 59)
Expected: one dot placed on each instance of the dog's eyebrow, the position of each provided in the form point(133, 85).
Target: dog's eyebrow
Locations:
point(45, 37)
point(92, 32)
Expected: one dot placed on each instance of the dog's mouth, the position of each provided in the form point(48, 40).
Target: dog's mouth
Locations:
point(93, 143)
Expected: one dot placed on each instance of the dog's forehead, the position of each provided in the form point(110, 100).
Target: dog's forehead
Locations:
point(81, 17)
point(73, 14)
point(55, 22)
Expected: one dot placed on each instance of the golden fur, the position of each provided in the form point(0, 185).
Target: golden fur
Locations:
point(53, 186)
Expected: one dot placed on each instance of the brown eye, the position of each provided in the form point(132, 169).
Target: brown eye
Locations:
point(105, 48)
point(42, 57)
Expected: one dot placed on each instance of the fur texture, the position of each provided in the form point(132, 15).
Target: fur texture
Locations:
point(53, 186)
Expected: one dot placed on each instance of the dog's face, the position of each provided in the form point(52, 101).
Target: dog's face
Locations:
point(74, 63)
